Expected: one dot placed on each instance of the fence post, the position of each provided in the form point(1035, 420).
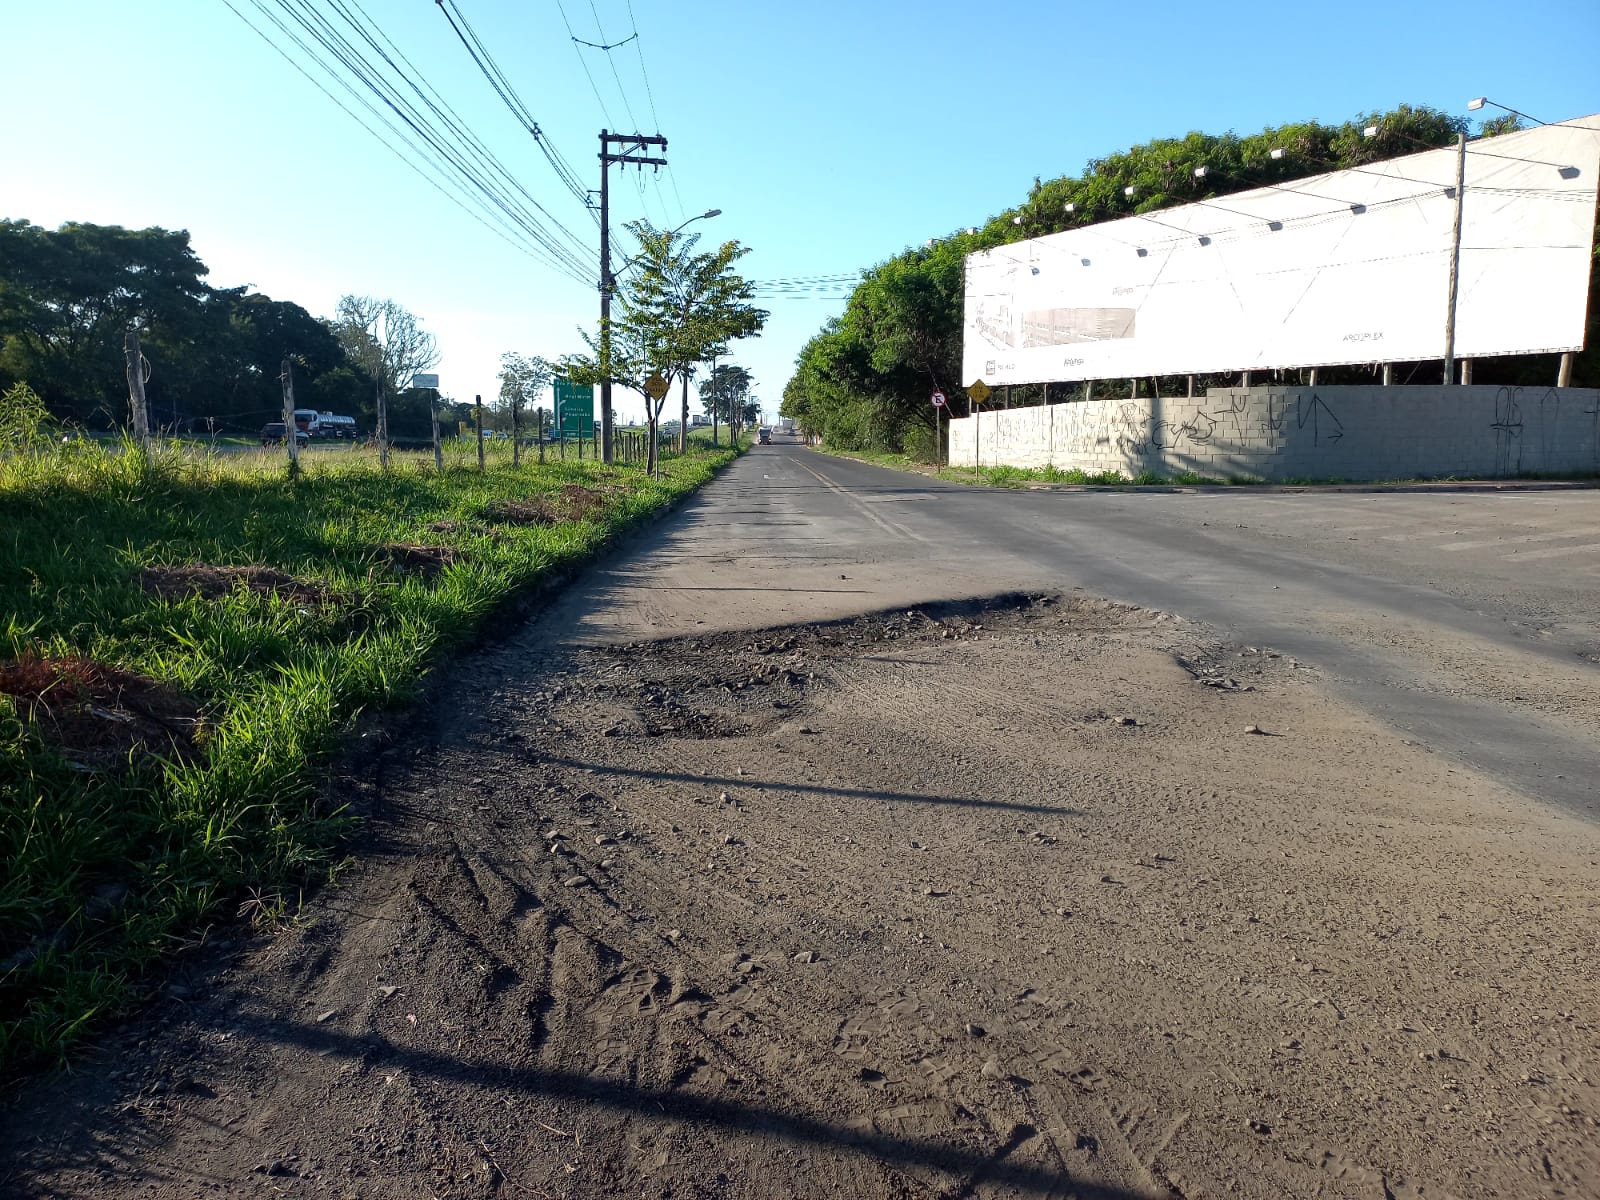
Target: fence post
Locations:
point(290, 433)
point(538, 431)
point(141, 414)
point(478, 401)
point(433, 413)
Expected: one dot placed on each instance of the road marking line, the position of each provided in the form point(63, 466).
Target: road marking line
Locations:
point(1589, 548)
point(888, 526)
point(1586, 531)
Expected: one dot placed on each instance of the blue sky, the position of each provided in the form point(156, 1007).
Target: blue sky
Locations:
point(830, 134)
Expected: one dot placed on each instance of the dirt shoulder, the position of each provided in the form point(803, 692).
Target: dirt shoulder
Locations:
point(961, 901)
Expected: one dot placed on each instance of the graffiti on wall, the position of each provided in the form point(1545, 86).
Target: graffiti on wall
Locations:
point(1507, 427)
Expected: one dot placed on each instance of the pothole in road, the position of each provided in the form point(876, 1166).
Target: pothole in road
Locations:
point(743, 684)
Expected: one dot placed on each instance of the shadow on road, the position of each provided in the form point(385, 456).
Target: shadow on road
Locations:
point(746, 782)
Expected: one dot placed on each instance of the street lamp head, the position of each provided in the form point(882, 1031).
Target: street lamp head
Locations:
point(709, 213)
point(1476, 103)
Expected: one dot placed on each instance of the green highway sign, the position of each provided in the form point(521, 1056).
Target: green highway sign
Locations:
point(574, 409)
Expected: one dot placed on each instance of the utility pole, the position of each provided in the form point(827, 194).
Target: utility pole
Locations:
point(290, 433)
point(1455, 261)
point(136, 401)
point(629, 148)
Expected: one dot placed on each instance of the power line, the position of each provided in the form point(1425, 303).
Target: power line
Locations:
point(453, 122)
point(612, 63)
point(507, 232)
point(458, 154)
point(584, 63)
point(503, 88)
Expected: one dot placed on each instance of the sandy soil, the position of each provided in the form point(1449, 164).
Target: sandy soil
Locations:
point(1050, 897)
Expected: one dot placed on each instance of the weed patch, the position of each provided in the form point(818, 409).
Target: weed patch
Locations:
point(213, 583)
point(98, 715)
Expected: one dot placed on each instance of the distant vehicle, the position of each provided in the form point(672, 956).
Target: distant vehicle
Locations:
point(272, 434)
point(764, 437)
point(309, 420)
point(334, 426)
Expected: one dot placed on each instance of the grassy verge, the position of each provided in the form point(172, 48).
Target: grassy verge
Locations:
point(109, 864)
point(999, 476)
point(1020, 477)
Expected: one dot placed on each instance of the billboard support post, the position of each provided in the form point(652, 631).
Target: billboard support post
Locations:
point(1455, 261)
point(1388, 374)
point(1564, 373)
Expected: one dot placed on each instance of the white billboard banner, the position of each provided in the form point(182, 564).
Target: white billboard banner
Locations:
point(1348, 267)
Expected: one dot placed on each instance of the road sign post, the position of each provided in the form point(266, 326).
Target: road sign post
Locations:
point(939, 405)
point(977, 392)
point(655, 387)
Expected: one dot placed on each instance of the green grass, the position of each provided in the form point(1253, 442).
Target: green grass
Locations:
point(1002, 476)
point(106, 871)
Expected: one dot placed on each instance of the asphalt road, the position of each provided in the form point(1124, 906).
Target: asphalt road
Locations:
point(1469, 620)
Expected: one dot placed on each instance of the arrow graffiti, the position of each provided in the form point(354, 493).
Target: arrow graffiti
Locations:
point(1317, 412)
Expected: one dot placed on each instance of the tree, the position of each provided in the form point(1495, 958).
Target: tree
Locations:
point(726, 395)
point(386, 341)
point(523, 380)
point(69, 295)
point(680, 309)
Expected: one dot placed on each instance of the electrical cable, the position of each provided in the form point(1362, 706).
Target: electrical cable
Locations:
point(508, 94)
point(453, 147)
point(505, 232)
point(485, 157)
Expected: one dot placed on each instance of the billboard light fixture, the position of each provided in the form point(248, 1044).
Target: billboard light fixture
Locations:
point(1358, 209)
point(1204, 240)
point(1478, 102)
point(1142, 252)
point(1371, 131)
point(1275, 226)
point(1084, 261)
point(1277, 152)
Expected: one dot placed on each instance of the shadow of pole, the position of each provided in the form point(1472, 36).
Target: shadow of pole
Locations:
point(745, 781)
point(994, 1167)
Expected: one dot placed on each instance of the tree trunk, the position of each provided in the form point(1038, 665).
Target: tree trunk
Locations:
point(683, 427)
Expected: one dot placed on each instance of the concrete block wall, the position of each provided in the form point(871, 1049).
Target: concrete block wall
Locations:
point(1276, 433)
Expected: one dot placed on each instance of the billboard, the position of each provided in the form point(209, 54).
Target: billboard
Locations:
point(574, 409)
point(1348, 267)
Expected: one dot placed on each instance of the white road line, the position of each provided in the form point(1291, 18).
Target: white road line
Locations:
point(1588, 548)
point(1586, 531)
